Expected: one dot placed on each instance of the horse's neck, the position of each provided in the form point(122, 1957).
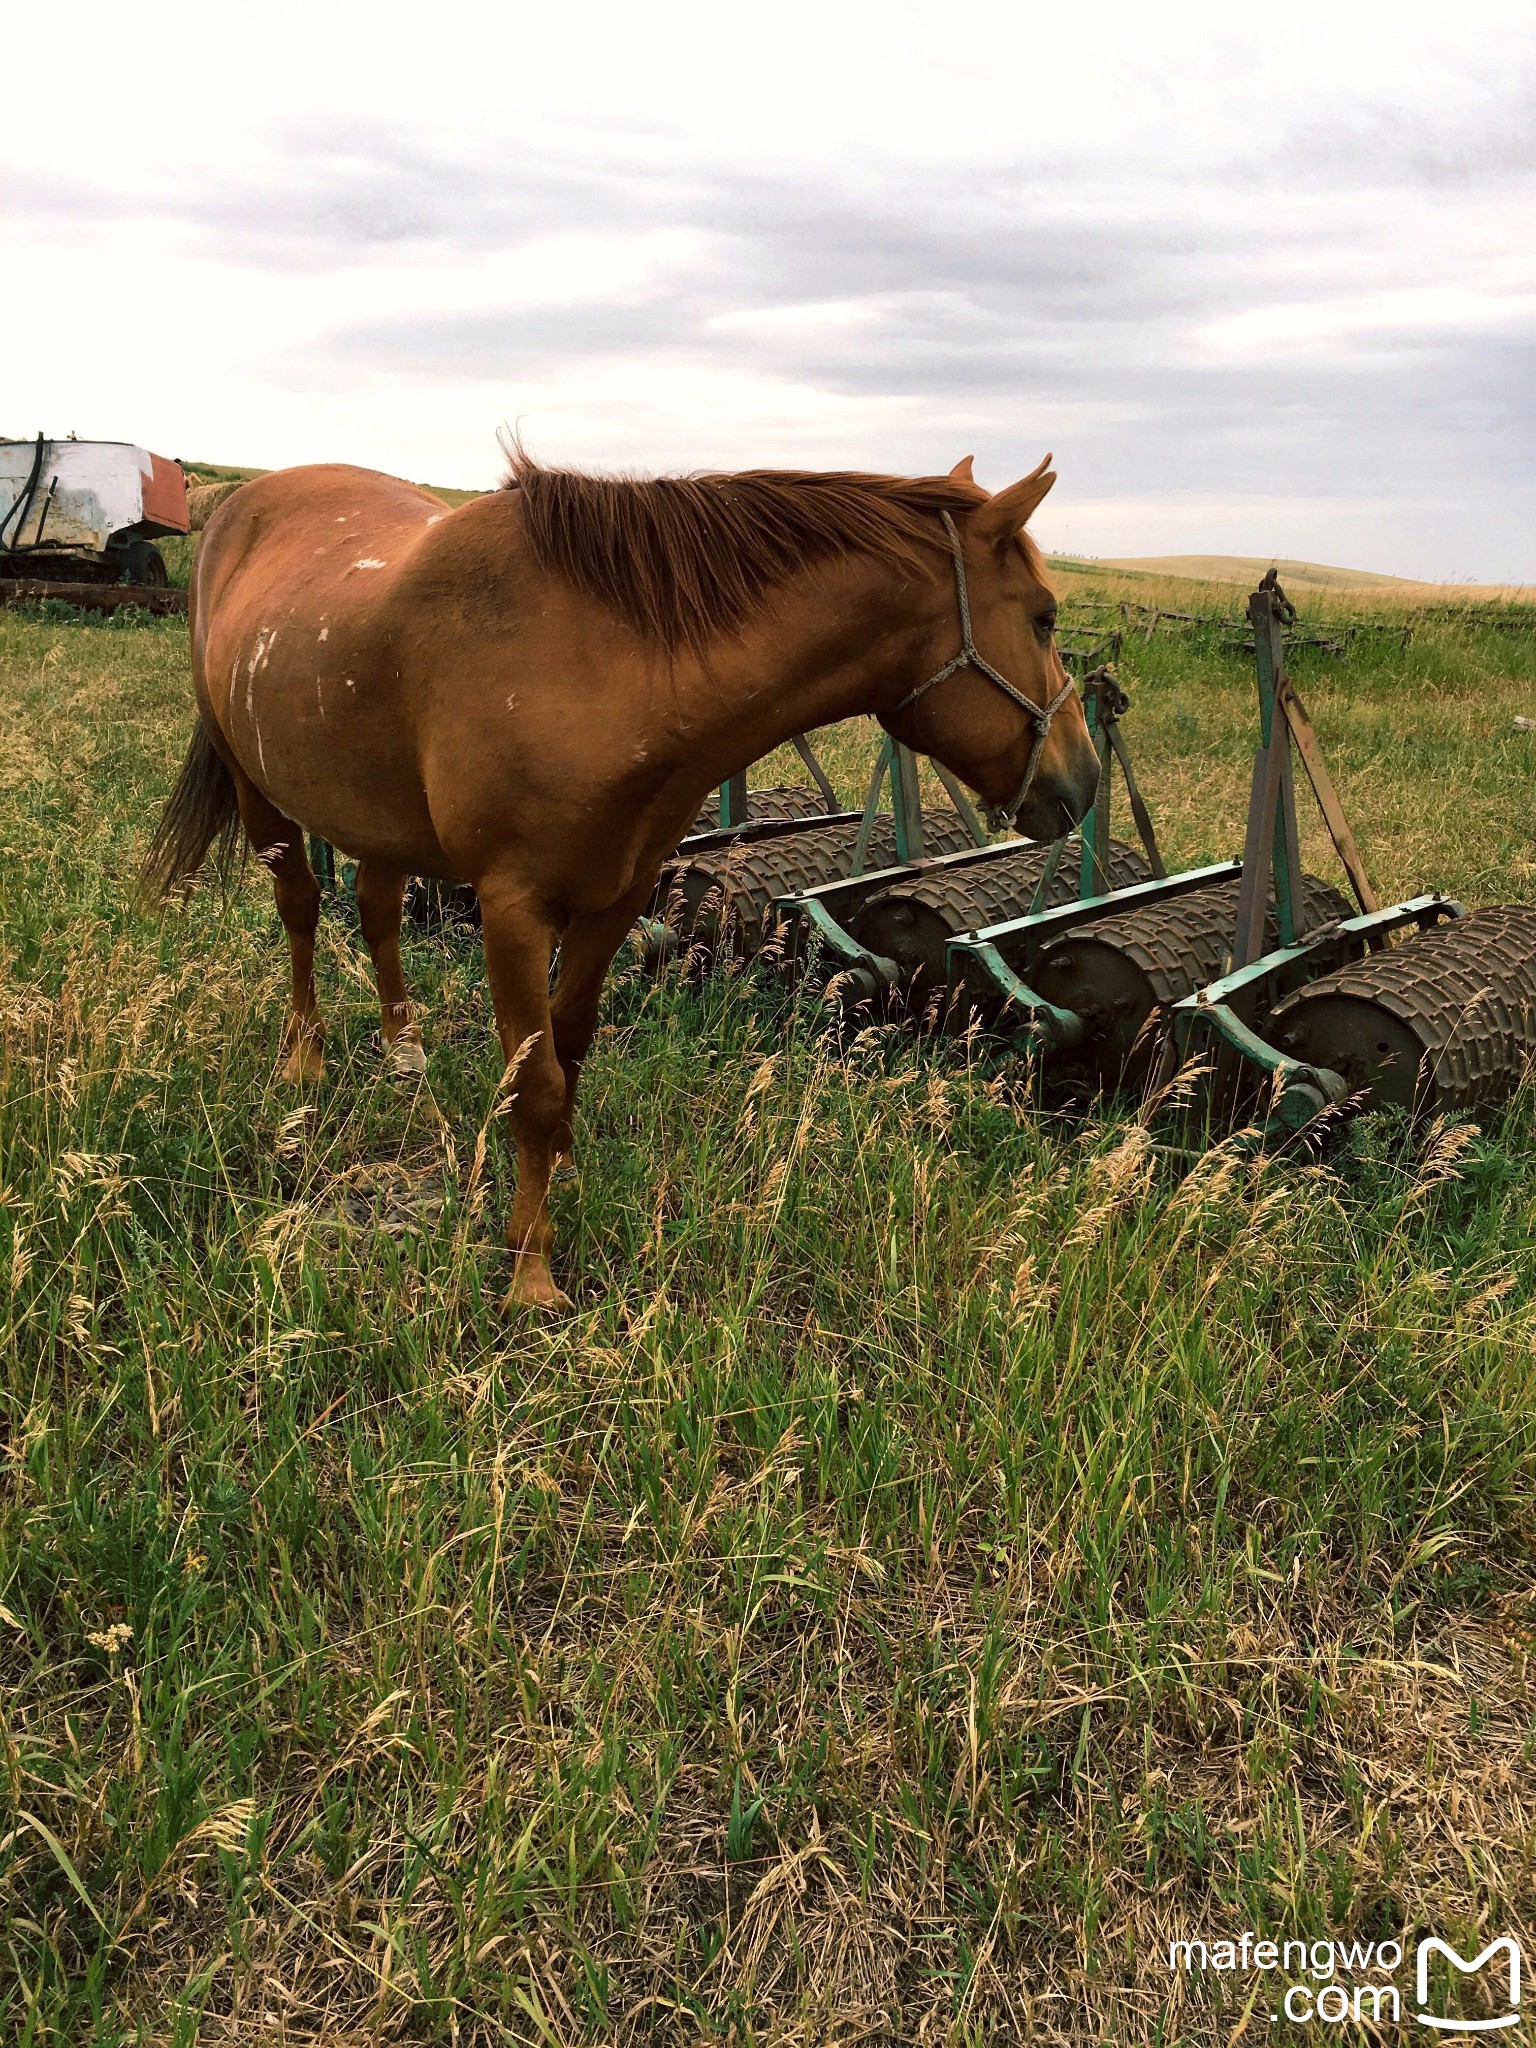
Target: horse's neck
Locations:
point(830, 646)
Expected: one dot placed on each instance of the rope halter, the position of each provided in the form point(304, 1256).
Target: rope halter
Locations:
point(999, 816)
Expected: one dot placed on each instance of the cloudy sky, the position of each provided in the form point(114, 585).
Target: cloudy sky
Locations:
point(1263, 279)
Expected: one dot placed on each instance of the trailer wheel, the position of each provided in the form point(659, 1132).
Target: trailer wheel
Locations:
point(146, 565)
point(139, 562)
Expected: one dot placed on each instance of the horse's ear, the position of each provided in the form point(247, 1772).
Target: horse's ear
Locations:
point(1000, 518)
point(961, 473)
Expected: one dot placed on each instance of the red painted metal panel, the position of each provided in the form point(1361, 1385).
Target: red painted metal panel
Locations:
point(165, 496)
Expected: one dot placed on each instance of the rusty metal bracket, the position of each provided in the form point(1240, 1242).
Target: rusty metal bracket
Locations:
point(819, 776)
point(1105, 703)
point(1294, 713)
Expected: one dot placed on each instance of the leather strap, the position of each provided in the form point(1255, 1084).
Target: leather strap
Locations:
point(999, 816)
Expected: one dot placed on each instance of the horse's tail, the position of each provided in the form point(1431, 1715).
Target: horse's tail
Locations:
point(202, 812)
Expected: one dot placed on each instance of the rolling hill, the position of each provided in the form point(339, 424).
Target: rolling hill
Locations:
point(1247, 569)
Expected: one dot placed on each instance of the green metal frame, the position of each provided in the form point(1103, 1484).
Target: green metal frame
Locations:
point(736, 798)
point(821, 914)
point(735, 803)
point(991, 966)
point(322, 858)
point(816, 913)
point(1094, 828)
point(898, 765)
point(1104, 705)
point(1272, 850)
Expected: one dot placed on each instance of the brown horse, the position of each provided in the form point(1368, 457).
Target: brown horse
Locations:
point(533, 694)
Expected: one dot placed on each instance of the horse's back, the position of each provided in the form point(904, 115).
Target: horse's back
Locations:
point(297, 525)
point(295, 611)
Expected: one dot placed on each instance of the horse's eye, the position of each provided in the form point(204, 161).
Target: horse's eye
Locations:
point(1045, 626)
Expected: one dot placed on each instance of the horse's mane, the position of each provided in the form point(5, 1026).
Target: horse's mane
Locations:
point(683, 559)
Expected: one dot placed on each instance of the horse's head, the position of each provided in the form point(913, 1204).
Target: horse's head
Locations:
point(1000, 709)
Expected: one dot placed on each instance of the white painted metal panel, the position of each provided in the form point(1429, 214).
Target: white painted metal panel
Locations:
point(97, 490)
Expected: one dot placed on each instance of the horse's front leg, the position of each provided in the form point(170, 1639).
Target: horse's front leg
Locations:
point(279, 844)
point(519, 937)
point(586, 954)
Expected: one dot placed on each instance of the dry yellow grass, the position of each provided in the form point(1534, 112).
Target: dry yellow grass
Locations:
point(1307, 576)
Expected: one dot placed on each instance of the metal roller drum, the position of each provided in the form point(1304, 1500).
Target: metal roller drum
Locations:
point(734, 887)
point(1117, 972)
point(912, 922)
point(791, 801)
point(1444, 1021)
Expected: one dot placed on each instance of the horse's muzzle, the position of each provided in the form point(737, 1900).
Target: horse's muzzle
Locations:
point(1062, 793)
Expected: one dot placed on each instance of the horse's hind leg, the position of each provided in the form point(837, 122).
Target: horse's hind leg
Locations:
point(519, 937)
point(279, 845)
point(380, 903)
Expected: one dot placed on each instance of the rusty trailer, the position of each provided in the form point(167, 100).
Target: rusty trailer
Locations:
point(87, 512)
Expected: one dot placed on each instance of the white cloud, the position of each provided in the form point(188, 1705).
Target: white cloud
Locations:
point(1318, 325)
point(1243, 275)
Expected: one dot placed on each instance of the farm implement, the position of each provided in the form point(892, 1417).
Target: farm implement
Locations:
point(721, 889)
point(887, 931)
point(1421, 1004)
point(1280, 998)
point(79, 519)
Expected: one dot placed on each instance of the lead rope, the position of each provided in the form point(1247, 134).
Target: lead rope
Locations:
point(999, 816)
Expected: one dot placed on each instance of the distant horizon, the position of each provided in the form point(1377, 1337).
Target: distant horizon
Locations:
point(1132, 562)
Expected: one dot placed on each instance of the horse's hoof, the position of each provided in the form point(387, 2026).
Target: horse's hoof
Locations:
point(305, 1062)
point(533, 1286)
point(406, 1058)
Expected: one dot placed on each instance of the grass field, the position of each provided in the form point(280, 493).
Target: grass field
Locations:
point(948, 1553)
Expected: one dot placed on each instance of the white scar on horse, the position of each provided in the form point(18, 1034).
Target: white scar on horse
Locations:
point(264, 645)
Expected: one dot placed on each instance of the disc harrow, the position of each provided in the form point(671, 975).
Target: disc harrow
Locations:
point(1105, 970)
